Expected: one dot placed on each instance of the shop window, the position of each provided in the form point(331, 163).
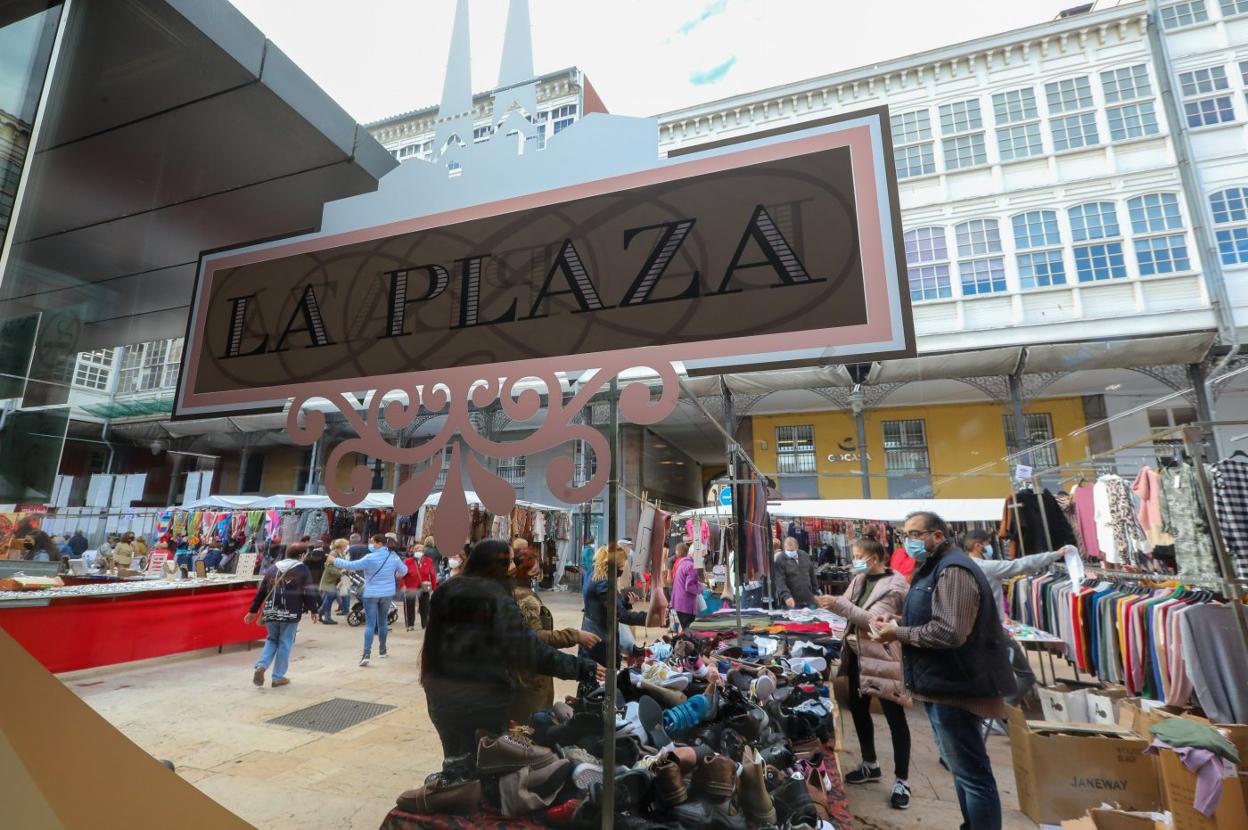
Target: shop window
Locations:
point(1206, 96)
point(905, 446)
point(961, 128)
point(912, 144)
point(253, 472)
point(150, 366)
point(93, 369)
point(1177, 15)
point(1230, 219)
point(927, 261)
point(1039, 243)
point(1018, 120)
point(1158, 253)
point(795, 449)
point(512, 470)
point(980, 272)
point(1102, 260)
point(1039, 437)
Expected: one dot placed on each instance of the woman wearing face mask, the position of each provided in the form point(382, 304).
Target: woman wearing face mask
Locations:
point(874, 669)
point(978, 544)
point(686, 587)
point(421, 579)
point(597, 595)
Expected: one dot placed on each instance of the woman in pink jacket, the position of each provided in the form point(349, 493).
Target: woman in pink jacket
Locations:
point(686, 586)
point(874, 669)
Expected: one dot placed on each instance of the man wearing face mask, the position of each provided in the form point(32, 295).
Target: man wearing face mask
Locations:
point(955, 659)
point(794, 576)
point(978, 545)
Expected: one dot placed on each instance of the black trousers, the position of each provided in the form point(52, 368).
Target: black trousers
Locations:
point(458, 710)
point(894, 713)
point(415, 602)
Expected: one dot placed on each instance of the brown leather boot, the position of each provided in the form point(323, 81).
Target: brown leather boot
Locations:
point(715, 777)
point(669, 782)
point(438, 798)
point(667, 698)
point(753, 796)
point(506, 754)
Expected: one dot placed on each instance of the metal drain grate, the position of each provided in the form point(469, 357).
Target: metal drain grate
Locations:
point(332, 715)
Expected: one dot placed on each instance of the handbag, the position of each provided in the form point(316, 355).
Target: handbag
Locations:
point(701, 604)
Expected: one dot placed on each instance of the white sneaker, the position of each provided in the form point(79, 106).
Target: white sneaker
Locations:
point(364, 661)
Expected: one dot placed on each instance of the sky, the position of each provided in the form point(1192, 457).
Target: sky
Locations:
point(378, 58)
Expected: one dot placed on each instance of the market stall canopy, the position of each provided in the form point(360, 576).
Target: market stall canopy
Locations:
point(882, 510)
point(372, 501)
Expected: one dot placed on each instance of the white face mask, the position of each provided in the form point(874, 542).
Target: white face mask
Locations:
point(420, 554)
point(454, 564)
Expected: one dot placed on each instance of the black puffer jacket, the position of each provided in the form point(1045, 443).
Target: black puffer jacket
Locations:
point(478, 634)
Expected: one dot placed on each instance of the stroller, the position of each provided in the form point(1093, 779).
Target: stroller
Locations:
point(355, 617)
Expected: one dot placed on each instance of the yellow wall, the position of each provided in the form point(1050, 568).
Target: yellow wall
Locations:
point(960, 437)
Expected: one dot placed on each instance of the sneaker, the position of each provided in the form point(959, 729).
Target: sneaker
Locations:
point(329, 621)
point(384, 655)
point(364, 660)
point(900, 799)
point(281, 681)
point(865, 774)
point(258, 677)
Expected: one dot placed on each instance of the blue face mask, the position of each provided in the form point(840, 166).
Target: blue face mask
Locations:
point(916, 550)
point(988, 554)
point(792, 554)
point(373, 548)
point(859, 565)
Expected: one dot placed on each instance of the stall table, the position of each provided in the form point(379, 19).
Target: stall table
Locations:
point(85, 626)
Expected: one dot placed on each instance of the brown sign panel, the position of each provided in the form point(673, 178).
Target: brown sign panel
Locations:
point(758, 254)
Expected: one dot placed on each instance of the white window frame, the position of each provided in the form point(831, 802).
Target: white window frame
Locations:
point(1072, 111)
point(792, 460)
point(928, 261)
point(1129, 104)
point(1031, 248)
point(912, 134)
point(962, 134)
point(93, 369)
point(1155, 218)
point(1233, 8)
point(149, 367)
point(905, 444)
point(513, 470)
point(1229, 209)
point(1207, 85)
point(1184, 14)
point(1016, 114)
point(1099, 245)
point(980, 255)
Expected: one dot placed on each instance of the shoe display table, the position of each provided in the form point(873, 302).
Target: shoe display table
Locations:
point(85, 626)
point(399, 820)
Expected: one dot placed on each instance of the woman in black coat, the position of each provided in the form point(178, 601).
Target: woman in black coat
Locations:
point(597, 595)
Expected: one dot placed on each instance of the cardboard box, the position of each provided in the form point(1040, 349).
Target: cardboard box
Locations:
point(1064, 704)
point(1104, 704)
point(1179, 790)
point(1114, 820)
point(1062, 770)
point(1131, 714)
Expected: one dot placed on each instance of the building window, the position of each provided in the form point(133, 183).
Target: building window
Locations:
point(905, 446)
point(1102, 260)
point(149, 367)
point(961, 127)
point(795, 449)
point(1230, 219)
point(1078, 128)
point(980, 272)
point(482, 133)
point(1039, 427)
point(927, 261)
point(1153, 214)
point(444, 468)
point(561, 118)
point(1069, 95)
point(253, 472)
point(1126, 84)
point(1176, 15)
point(407, 151)
point(1039, 242)
point(1131, 120)
point(93, 369)
point(1017, 109)
point(511, 470)
point(1073, 131)
point(912, 144)
point(1230, 8)
point(1200, 107)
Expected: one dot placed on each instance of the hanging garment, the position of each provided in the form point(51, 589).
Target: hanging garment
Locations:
point(1230, 501)
point(1147, 487)
point(1214, 652)
point(643, 537)
point(1038, 522)
point(1182, 517)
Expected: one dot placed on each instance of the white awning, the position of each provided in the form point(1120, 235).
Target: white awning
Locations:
point(885, 510)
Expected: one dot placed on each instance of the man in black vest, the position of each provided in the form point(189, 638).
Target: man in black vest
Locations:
point(955, 658)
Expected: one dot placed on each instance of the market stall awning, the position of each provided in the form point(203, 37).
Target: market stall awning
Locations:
point(883, 510)
point(114, 410)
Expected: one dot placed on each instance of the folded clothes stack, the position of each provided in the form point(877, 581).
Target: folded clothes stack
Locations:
point(703, 741)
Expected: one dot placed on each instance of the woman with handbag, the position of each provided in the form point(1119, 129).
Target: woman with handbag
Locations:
point(421, 579)
point(873, 669)
point(280, 599)
point(686, 586)
point(381, 567)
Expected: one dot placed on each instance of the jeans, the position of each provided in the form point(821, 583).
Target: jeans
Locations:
point(277, 647)
point(375, 611)
point(327, 603)
point(864, 725)
point(959, 737)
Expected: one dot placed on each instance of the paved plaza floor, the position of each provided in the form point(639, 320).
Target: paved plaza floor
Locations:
point(202, 712)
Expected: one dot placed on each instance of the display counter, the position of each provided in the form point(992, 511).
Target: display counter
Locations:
point(101, 624)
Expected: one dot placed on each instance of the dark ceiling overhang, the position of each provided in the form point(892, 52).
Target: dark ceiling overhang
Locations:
point(172, 127)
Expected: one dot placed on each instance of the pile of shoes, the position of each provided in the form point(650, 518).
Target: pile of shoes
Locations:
point(701, 742)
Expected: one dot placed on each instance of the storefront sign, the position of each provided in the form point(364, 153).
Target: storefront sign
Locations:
point(781, 250)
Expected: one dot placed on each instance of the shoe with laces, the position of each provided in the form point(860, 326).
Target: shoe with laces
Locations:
point(900, 799)
point(364, 660)
point(865, 774)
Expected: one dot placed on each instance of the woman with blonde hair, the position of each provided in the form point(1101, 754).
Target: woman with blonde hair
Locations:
point(330, 577)
point(597, 595)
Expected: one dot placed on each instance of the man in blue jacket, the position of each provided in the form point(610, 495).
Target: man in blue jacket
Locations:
point(381, 567)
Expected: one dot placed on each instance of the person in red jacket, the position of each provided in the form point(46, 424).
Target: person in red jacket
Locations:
point(902, 563)
point(421, 579)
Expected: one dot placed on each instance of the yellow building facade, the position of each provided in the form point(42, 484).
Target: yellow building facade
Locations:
point(959, 438)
